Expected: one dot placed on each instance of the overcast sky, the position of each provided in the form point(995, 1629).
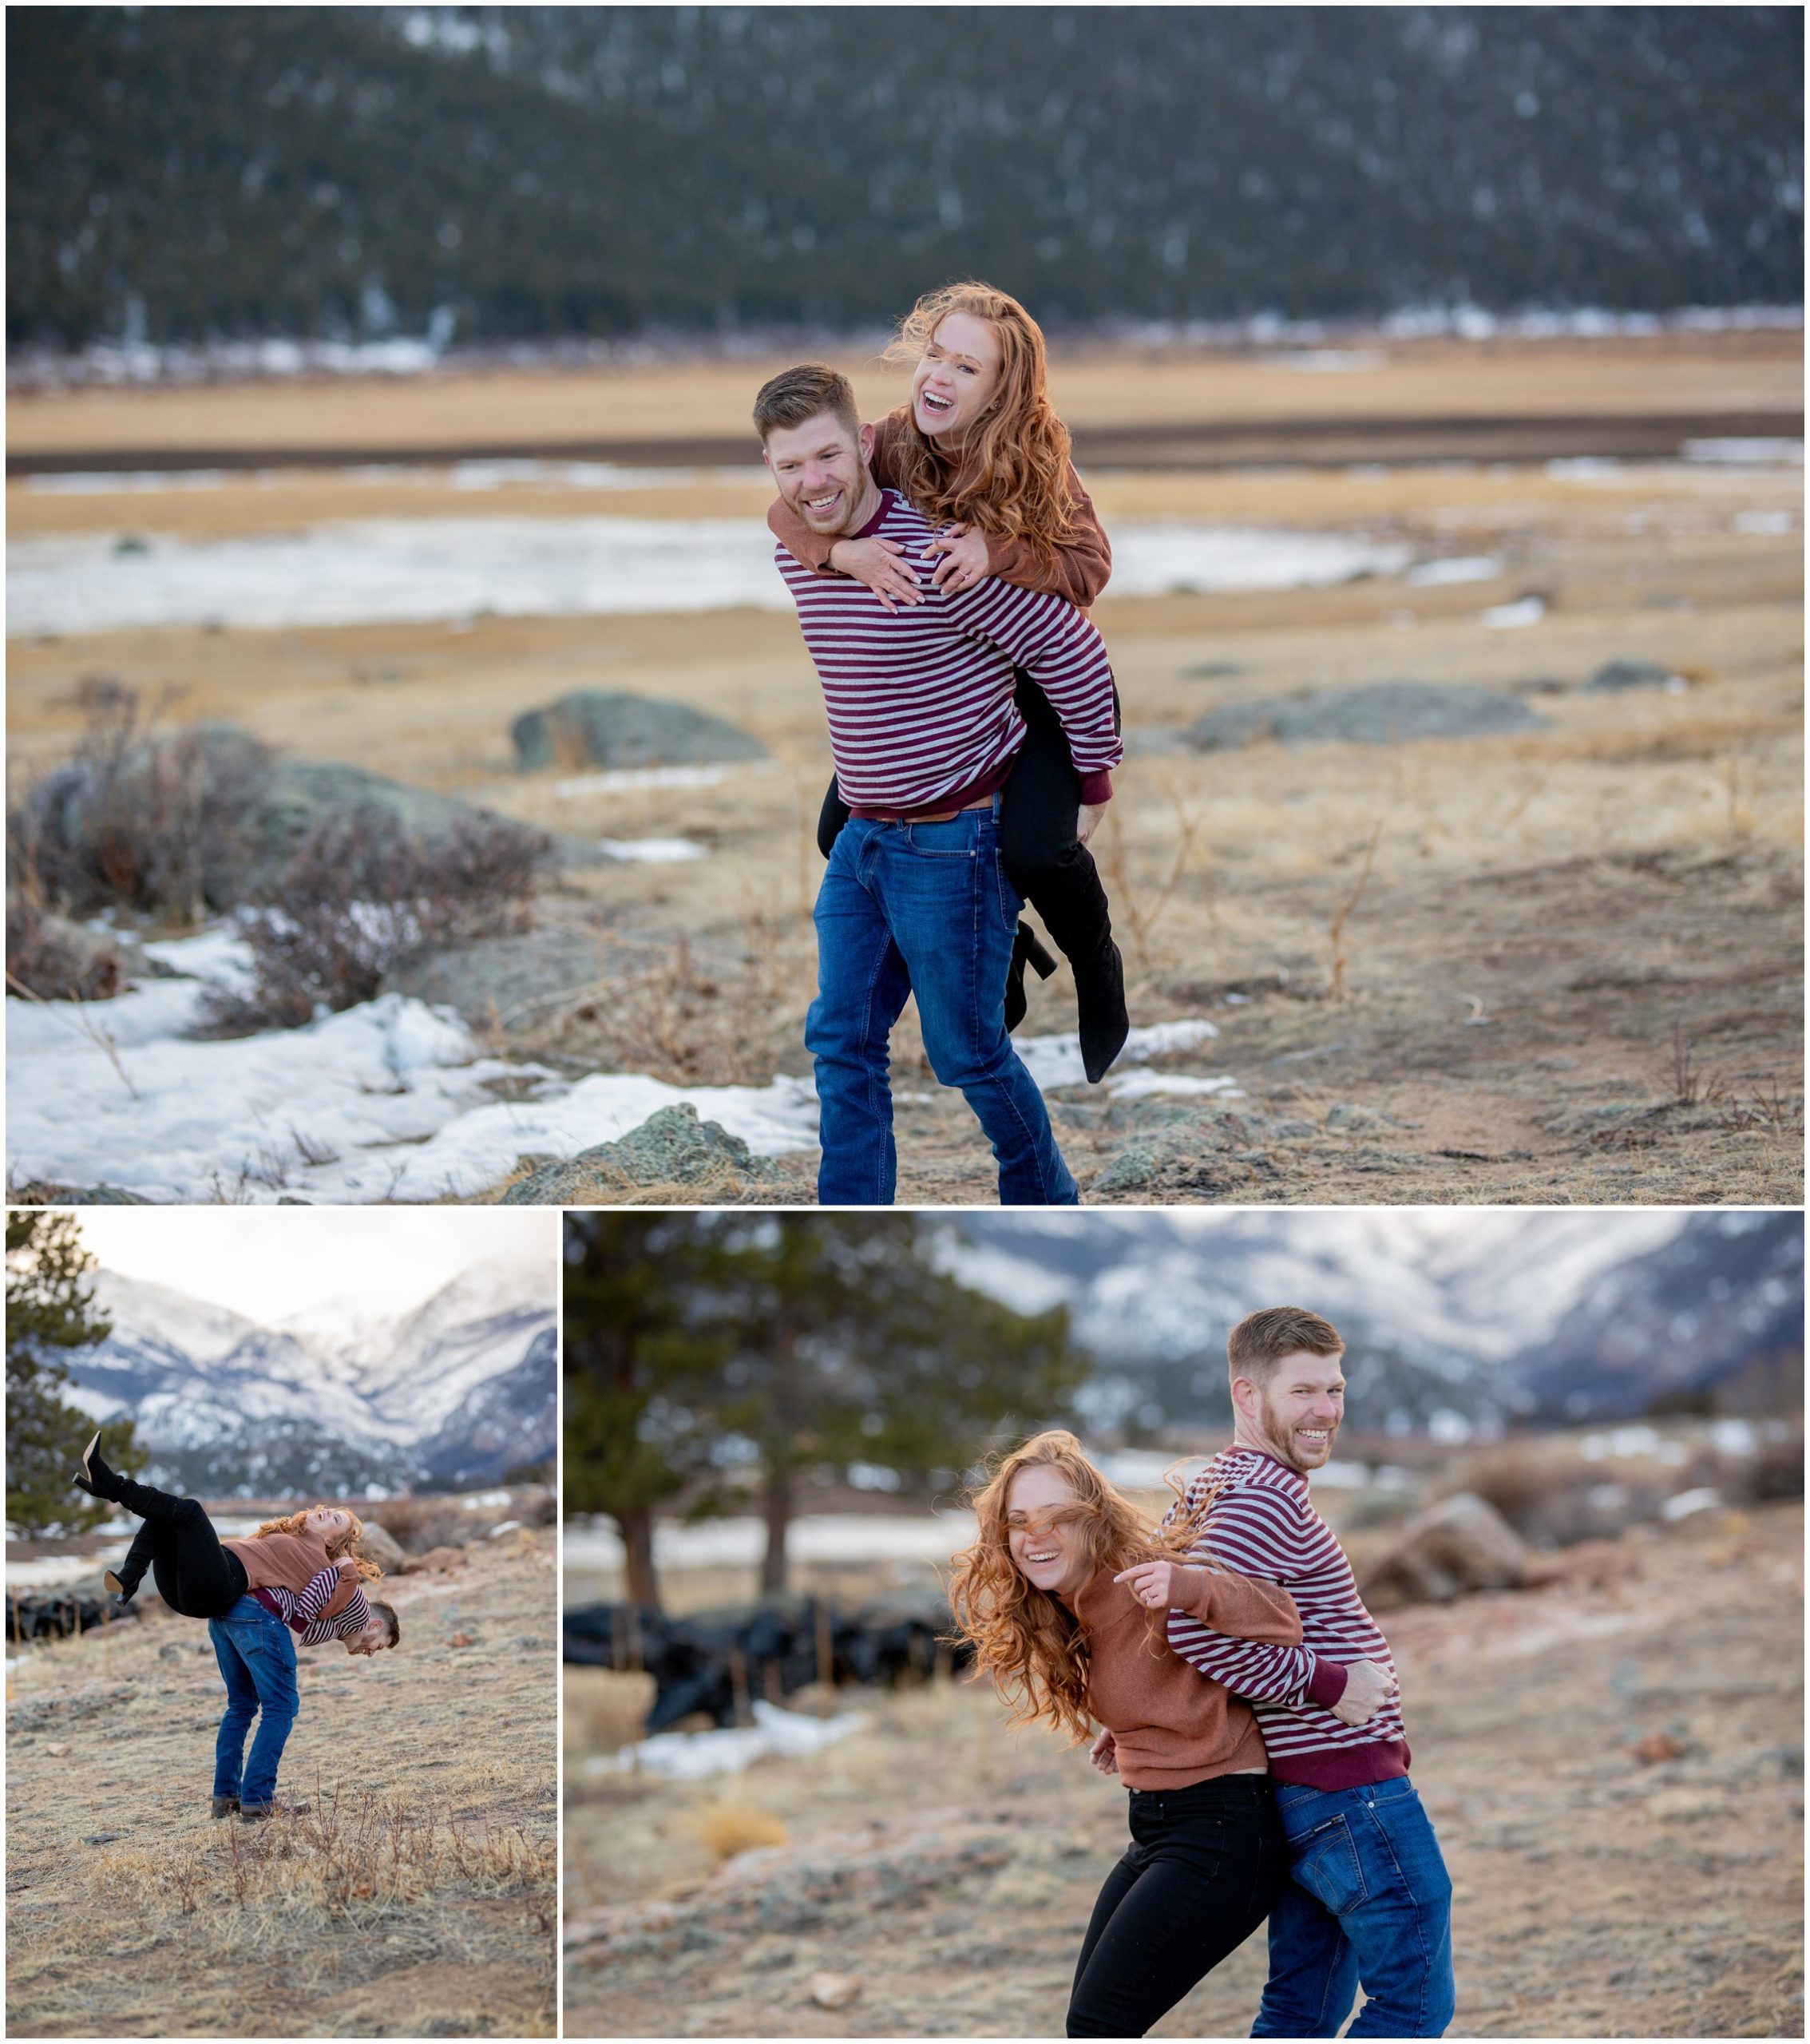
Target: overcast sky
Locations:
point(266, 1262)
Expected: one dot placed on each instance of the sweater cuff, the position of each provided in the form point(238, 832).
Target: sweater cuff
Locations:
point(1327, 1684)
point(1096, 787)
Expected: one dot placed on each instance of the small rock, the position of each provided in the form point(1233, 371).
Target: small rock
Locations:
point(834, 1990)
point(102, 1837)
point(672, 1147)
point(1634, 674)
point(1658, 1746)
point(598, 728)
point(169, 1652)
point(461, 1639)
point(51, 1192)
point(1346, 1115)
point(531, 1642)
point(1380, 713)
point(437, 1561)
point(59, 1747)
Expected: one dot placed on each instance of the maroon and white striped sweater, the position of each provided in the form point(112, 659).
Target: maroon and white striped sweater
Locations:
point(919, 700)
point(1260, 1522)
point(301, 1611)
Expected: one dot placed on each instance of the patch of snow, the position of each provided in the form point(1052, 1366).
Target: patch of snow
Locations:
point(654, 851)
point(1140, 1084)
point(484, 1500)
point(696, 1756)
point(621, 780)
point(1686, 1505)
point(1765, 523)
point(1055, 1061)
point(1747, 453)
point(1461, 568)
point(1507, 617)
point(414, 570)
point(855, 1537)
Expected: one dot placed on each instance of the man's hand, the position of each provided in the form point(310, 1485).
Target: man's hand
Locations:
point(1367, 1687)
point(1159, 1584)
point(877, 563)
point(1087, 820)
point(964, 557)
point(1104, 1752)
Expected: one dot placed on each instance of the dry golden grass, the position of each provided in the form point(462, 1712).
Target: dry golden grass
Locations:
point(415, 1897)
point(726, 1829)
point(1093, 386)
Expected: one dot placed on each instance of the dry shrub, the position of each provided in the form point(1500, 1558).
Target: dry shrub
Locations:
point(1776, 1473)
point(357, 895)
point(56, 960)
point(418, 1525)
point(160, 825)
point(606, 1710)
point(356, 1857)
point(724, 1829)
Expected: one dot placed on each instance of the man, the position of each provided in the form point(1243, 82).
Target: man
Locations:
point(924, 729)
point(1369, 1900)
point(256, 1656)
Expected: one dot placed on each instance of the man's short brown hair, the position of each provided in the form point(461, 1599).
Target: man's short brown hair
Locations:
point(1261, 1339)
point(387, 1612)
point(796, 396)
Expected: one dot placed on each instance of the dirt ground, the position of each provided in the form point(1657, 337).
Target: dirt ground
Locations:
point(416, 1900)
point(1559, 966)
point(953, 1870)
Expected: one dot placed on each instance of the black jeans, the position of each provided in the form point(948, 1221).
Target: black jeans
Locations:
point(1038, 808)
point(1205, 1866)
point(194, 1574)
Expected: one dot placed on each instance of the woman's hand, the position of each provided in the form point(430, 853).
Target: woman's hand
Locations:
point(877, 563)
point(1161, 1585)
point(964, 557)
point(346, 1566)
point(1104, 1752)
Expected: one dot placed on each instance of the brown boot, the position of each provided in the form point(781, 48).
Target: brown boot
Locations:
point(277, 1807)
point(225, 1805)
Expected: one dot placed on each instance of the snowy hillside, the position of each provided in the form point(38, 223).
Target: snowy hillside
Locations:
point(459, 1388)
point(1451, 1320)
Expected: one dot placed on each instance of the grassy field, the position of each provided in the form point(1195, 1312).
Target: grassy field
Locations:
point(949, 1869)
point(1562, 965)
point(415, 1899)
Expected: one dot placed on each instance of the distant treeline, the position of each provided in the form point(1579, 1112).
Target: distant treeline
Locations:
point(183, 173)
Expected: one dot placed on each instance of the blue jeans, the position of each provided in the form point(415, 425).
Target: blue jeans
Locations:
point(922, 909)
point(1367, 1899)
point(257, 1662)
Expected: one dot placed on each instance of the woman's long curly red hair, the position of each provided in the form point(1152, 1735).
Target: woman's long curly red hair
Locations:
point(297, 1522)
point(1010, 477)
point(1028, 1641)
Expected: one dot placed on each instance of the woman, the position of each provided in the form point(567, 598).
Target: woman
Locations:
point(295, 1574)
point(979, 449)
point(1065, 1597)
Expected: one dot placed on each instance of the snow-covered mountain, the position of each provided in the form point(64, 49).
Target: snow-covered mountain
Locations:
point(458, 1389)
point(1443, 1313)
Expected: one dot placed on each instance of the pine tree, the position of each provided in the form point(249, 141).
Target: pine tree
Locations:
point(51, 1307)
point(707, 1351)
point(635, 1366)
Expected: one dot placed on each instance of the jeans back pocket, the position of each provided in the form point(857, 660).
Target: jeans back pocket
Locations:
point(1326, 1863)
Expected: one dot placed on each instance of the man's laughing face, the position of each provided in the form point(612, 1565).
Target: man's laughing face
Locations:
point(820, 469)
point(1299, 1409)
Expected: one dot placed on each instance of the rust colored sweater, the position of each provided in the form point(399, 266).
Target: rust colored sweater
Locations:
point(1077, 575)
point(290, 1561)
point(1172, 1726)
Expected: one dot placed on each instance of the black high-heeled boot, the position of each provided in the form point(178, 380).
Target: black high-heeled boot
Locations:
point(1100, 999)
point(1025, 950)
point(84, 1480)
point(123, 1582)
